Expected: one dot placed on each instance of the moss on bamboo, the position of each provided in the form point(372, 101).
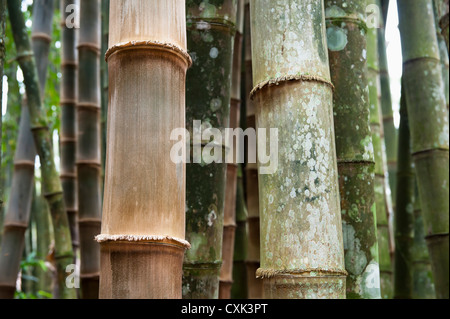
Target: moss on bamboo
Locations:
point(210, 36)
point(429, 129)
point(354, 144)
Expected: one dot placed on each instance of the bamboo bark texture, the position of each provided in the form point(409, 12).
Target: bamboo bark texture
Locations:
point(210, 33)
point(19, 206)
point(255, 287)
point(376, 123)
point(229, 225)
point(347, 44)
point(68, 100)
point(88, 153)
point(143, 222)
point(427, 112)
point(302, 253)
point(404, 214)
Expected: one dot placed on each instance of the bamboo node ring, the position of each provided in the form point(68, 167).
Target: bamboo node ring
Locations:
point(307, 272)
point(288, 78)
point(143, 239)
point(150, 44)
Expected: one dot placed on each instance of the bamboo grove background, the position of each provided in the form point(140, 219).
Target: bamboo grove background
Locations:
point(85, 191)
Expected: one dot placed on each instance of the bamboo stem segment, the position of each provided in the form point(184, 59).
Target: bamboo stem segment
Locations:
point(347, 44)
point(143, 222)
point(302, 253)
point(210, 34)
point(429, 129)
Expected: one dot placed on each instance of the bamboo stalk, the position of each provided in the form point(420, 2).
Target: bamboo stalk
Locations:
point(239, 289)
point(69, 66)
point(347, 44)
point(51, 185)
point(302, 253)
point(255, 287)
point(2, 61)
point(88, 152)
point(382, 218)
point(143, 222)
point(404, 215)
point(442, 8)
point(19, 207)
point(423, 284)
point(104, 80)
point(229, 225)
point(443, 53)
point(210, 36)
point(429, 129)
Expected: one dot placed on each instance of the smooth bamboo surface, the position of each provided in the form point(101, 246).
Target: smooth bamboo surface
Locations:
point(143, 222)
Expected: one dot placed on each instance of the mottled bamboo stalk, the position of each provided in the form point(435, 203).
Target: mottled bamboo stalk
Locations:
point(68, 137)
point(255, 287)
point(423, 283)
point(143, 222)
point(88, 152)
point(383, 233)
point(239, 289)
point(302, 254)
point(346, 32)
point(443, 54)
point(429, 129)
point(210, 34)
point(19, 207)
point(404, 214)
point(229, 223)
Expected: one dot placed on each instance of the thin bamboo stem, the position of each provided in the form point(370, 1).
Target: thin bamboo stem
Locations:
point(230, 225)
point(143, 221)
point(429, 129)
point(301, 228)
point(68, 137)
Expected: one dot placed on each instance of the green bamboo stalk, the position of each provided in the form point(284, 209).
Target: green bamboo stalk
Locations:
point(404, 215)
point(378, 141)
point(229, 225)
point(301, 228)
point(2, 61)
point(88, 150)
point(423, 284)
point(239, 289)
point(255, 288)
point(347, 44)
point(51, 185)
point(208, 95)
point(19, 207)
point(68, 137)
point(389, 129)
point(429, 129)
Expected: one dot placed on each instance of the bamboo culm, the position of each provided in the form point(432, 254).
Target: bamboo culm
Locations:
point(429, 129)
point(346, 31)
point(299, 202)
point(68, 100)
point(143, 222)
point(208, 95)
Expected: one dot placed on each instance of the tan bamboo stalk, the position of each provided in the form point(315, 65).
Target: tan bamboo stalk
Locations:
point(302, 253)
point(143, 222)
point(255, 288)
point(229, 223)
point(68, 100)
point(88, 153)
